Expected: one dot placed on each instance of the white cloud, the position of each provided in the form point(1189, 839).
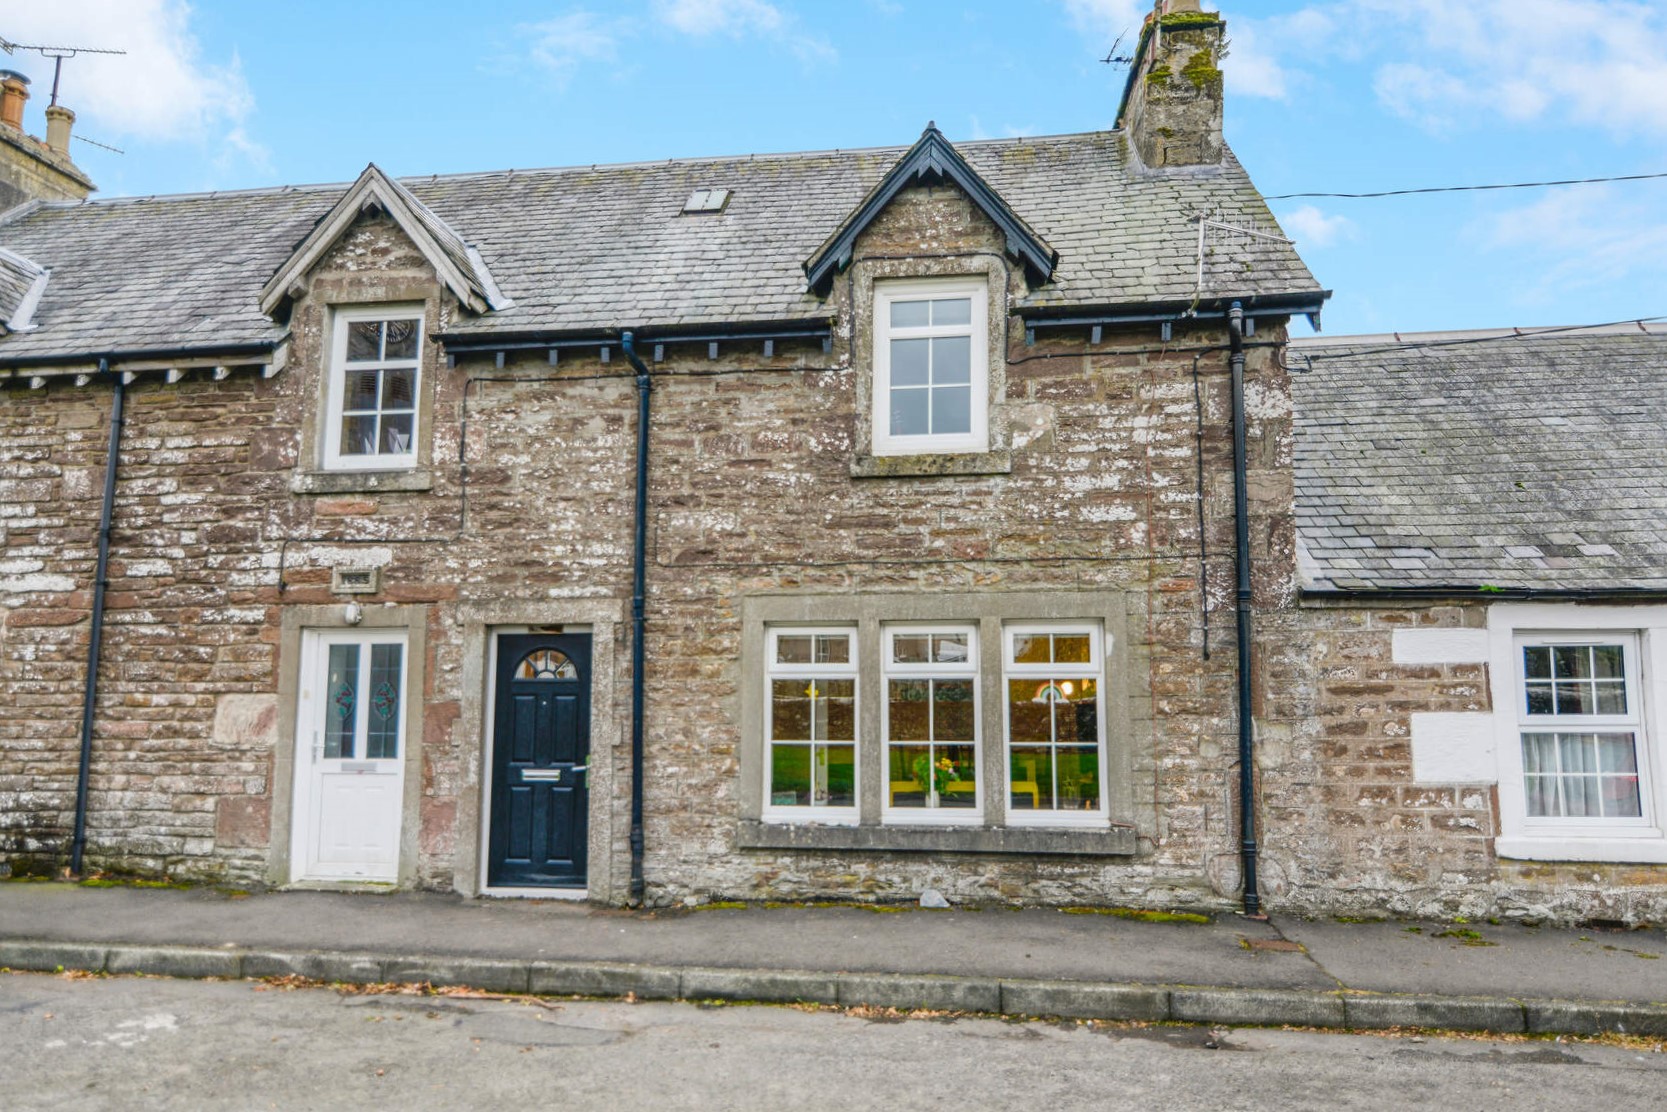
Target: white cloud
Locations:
point(1446, 66)
point(161, 89)
point(561, 44)
point(742, 19)
point(1312, 228)
point(1578, 238)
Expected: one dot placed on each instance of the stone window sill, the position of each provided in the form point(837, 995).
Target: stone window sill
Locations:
point(1110, 841)
point(361, 482)
point(998, 462)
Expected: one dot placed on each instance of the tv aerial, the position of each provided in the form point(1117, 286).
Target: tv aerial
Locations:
point(1113, 58)
point(58, 54)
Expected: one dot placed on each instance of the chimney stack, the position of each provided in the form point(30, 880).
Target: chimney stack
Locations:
point(1172, 104)
point(58, 122)
point(14, 91)
point(31, 169)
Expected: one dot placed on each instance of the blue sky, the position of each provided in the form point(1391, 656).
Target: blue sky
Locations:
point(1323, 95)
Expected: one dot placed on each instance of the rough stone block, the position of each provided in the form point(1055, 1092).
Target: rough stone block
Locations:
point(360, 969)
point(167, 961)
point(590, 979)
point(1257, 1006)
point(887, 990)
point(49, 957)
point(774, 985)
point(489, 974)
point(1082, 1000)
point(1573, 1017)
point(1454, 1013)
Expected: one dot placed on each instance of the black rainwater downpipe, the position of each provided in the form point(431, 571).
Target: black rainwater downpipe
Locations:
point(1241, 551)
point(96, 635)
point(639, 575)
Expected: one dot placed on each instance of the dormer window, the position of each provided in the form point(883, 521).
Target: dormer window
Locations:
point(931, 367)
point(375, 367)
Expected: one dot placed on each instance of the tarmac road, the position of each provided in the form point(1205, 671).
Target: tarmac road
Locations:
point(134, 1042)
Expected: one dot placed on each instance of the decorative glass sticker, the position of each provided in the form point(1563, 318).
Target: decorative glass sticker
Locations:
point(382, 737)
point(341, 719)
point(546, 664)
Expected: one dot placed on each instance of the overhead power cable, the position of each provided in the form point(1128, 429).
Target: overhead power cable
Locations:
point(1466, 188)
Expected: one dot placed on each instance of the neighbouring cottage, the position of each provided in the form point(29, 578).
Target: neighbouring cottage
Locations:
point(836, 524)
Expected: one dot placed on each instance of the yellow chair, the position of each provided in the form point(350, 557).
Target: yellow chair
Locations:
point(1028, 785)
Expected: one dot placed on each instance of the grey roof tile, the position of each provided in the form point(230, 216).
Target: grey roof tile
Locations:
point(586, 248)
point(1500, 495)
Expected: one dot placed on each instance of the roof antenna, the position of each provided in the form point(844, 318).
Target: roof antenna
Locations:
point(57, 54)
point(1113, 58)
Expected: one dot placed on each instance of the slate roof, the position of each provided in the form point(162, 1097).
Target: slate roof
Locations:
point(589, 248)
point(1531, 462)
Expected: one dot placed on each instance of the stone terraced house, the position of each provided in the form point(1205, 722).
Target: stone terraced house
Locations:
point(826, 525)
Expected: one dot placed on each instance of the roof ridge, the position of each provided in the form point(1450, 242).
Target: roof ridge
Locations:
point(1532, 332)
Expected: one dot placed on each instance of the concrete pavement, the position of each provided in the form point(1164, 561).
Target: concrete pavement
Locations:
point(1022, 962)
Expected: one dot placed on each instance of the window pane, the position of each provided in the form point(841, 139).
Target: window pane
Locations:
point(911, 648)
point(836, 782)
point(1621, 797)
point(1571, 661)
point(909, 365)
point(951, 359)
point(910, 314)
point(1079, 779)
point(906, 775)
point(399, 389)
point(953, 711)
point(1072, 648)
point(341, 707)
point(1029, 717)
point(364, 340)
point(1077, 715)
point(952, 310)
point(358, 436)
point(1576, 753)
point(1536, 661)
point(793, 650)
point(1617, 753)
point(1031, 648)
point(951, 648)
point(951, 410)
point(790, 775)
point(909, 711)
point(1611, 697)
point(401, 340)
point(1574, 698)
point(382, 738)
point(396, 433)
point(1030, 779)
point(359, 390)
point(838, 713)
point(1608, 661)
point(957, 772)
point(833, 648)
point(790, 710)
point(909, 413)
point(1539, 698)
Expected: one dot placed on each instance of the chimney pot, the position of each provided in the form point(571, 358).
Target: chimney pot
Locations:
point(14, 90)
point(59, 120)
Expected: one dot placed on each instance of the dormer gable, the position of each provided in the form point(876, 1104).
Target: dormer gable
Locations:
point(22, 282)
point(459, 265)
point(933, 158)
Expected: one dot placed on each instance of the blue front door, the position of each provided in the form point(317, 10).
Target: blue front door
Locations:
point(541, 746)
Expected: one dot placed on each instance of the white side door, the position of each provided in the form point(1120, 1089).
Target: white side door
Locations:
point(349, 756)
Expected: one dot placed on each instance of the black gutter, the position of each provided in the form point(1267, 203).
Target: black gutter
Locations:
point(1484, 593)
point(639, 574)
point(96, 635)
point(1241, 553)
point(1177, 312)
point(816, 328)
point(104, 359)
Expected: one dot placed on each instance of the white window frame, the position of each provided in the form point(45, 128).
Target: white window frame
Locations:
point(830, 815)
point(977, 439)
point(1095, 670)
point(335, 382)
point(1643, 630)
point(931, 670)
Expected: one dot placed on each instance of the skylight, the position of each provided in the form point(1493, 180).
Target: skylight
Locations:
point(706, 200)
